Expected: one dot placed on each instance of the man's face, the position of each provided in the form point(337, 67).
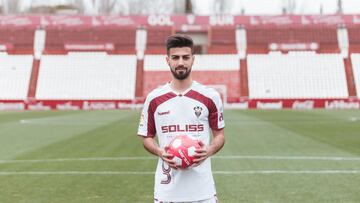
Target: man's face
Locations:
point(180, 61)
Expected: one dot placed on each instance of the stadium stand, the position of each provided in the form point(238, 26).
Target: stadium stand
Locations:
point(237, 56)
point(156, 36)
point(225, 67)
point(15, 73)
point(296, 75)
point(222, 40)
point(354, 38)
point(88, 75)
point(259, 38)
point(356, 70)
point(21, 40)
point(118, 41)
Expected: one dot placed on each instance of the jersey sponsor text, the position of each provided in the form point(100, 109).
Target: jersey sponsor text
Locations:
point(182, 128)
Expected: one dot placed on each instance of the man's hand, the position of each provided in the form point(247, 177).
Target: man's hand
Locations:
point(151, 146)
point(168, 158)
point(201, 154)
point(206, 151)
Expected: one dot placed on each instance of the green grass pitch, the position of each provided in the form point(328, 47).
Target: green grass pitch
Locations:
point(95, 156)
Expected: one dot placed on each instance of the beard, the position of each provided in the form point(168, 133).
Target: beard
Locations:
point(181, 73)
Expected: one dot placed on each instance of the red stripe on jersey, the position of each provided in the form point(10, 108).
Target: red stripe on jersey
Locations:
point(151, 129)
point(210, 105)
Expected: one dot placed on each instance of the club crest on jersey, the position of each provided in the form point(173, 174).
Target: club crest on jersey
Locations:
point(197, 110)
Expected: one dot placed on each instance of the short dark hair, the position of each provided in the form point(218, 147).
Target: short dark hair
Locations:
point(179, 40)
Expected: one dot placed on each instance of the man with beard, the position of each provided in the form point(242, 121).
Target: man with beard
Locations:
point(183, 107)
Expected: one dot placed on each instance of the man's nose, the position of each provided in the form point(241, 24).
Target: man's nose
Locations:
point(181, 61)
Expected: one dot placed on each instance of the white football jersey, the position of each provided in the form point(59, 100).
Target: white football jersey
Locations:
point(194, 113)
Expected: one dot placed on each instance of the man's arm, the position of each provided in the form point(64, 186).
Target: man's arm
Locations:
point(151, 146)
point(216, 144)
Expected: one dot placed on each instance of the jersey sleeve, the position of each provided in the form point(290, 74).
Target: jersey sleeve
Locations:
point(216, 114)
point(147, 122)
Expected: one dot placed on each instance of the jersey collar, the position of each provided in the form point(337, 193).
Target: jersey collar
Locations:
point(180, 93)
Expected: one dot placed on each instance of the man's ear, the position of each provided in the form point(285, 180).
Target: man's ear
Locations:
point(168, 60)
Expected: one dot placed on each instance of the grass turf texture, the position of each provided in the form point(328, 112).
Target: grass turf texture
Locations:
point(269, 156)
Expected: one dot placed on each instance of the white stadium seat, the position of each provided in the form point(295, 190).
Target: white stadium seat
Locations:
point(87, 75)
point(296, 75)
point(355, 58)
point(15, 72)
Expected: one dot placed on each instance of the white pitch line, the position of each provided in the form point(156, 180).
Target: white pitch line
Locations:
point(288, 172)
point(248, 172)
point(77, 159)
point(317, 158)
point(235, 157)
point(5, 173)
point(56, 122)
point(153, 158)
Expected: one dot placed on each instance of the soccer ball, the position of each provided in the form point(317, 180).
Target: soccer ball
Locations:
point(183, 149)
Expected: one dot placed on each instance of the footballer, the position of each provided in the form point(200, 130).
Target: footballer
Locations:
point(183, 107)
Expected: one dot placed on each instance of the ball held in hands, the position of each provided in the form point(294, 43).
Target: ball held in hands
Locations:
point(183, 149)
